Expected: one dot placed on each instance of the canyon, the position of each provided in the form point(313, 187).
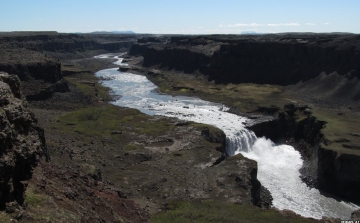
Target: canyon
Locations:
point(284, 72)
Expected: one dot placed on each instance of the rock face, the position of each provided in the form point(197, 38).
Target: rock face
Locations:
point(32, 56)
point(56, 42)
point(339, 173)
point(265, 59)
point(327, 169)
point(21, 142)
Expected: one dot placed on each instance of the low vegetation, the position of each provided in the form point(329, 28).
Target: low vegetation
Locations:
point(244, 97)
point(108, 121)
point(217, 212)
point(341, 131)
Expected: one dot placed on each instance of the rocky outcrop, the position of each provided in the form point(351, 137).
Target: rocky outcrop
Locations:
point(330, 170)
point(22, 143)
point(287, 126)
point(176, 58)
point(46, 69)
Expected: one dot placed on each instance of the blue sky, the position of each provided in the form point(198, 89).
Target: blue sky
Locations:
point(181, 16)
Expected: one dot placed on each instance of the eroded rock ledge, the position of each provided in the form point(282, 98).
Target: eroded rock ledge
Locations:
point(22, 143)
point(330, 170)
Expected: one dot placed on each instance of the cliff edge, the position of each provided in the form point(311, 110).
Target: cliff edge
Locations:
point(21, 143)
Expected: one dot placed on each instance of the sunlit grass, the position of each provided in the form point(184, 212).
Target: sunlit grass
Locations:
point(217, 212)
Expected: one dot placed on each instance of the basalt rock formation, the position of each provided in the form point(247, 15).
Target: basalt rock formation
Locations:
point(265, 59)
point(56, 42)
point(35, 56)
point(334, 171)
point(21, 143)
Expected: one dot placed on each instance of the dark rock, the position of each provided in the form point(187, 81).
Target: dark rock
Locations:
point(13, 81)
point(181, 123)
point(61, 86)
point(22, 143)
point(237, 59)
point(339, 173)
point(116, 132)
point(124, 69)
point(355, 215)
point(268, 110)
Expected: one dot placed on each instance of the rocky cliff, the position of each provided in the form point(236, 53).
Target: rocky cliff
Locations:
point(334, 170)
point(265, 59)
point(338, 173)
point(22, 143)
point(57, 42)
point(36, 57)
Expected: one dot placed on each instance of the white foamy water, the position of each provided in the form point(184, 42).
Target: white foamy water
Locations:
point(278, 165)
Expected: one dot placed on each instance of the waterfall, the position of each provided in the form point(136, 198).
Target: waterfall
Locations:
point(241, 141)
point(278, 165)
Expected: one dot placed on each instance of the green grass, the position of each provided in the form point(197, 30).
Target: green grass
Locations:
point(245, 97)
point(5, 218)
point(217, 212)
point(96, 92)
point(339, 128)
point(103, 120)
point(33, 199)
point(131, 147)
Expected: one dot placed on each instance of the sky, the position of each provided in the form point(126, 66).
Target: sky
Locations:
point(181, 16)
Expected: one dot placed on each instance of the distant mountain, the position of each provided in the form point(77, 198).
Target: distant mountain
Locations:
point(250, 33)
point(113, 32)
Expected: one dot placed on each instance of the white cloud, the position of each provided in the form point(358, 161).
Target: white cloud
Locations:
point(241, 25)
point(283, 24)
point(326, 23)
point(237, 25)
point(310, 24)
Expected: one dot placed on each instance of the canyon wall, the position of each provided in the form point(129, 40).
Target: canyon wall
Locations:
point(338, 173)
point(268, 59)
point(333, 171)
point(56, 42)
point(36, 56)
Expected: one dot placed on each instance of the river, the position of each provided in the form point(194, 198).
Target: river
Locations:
point(278, 165)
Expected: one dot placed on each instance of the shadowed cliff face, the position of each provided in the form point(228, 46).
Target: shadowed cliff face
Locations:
point(339, 173)
point(280, 63)
point(32, 56)
point(268, 59)
point(55, 42)
point(22, 142)
point(36, 57)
